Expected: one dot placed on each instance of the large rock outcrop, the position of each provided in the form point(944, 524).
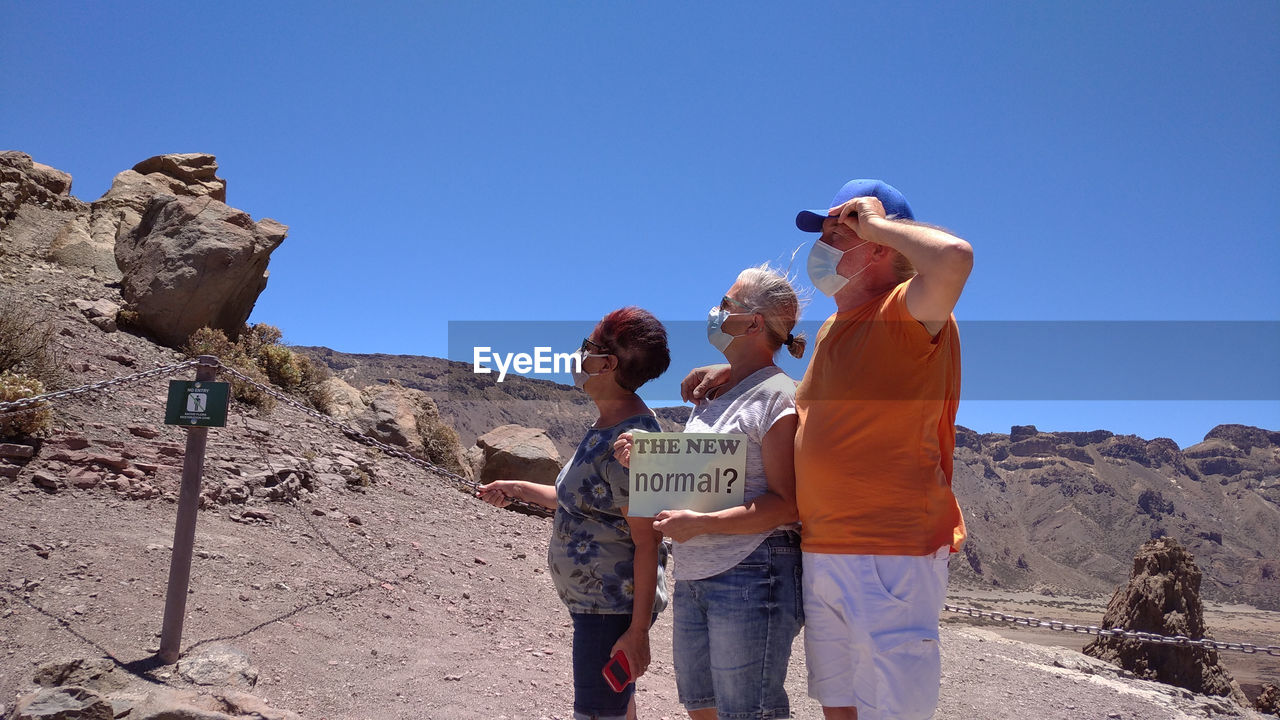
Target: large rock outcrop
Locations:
point(1163, 597)
point(195, 262)
point(400, 416)
point(26, 182)
point(80, 235)
point(116, 214)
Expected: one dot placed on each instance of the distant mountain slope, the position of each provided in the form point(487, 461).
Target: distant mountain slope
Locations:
point(476, 404)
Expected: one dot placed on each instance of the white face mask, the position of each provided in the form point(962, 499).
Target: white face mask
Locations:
point(575, 369)
point(823, 261)
point(718, 338)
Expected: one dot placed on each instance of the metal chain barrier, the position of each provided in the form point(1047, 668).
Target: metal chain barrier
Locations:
point(360, 437)
point(39, 402)
point(1059, 626)
point(261, 444)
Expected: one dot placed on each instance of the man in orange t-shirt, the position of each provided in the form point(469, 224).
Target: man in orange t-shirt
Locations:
point(873, 456)
point(877, 413)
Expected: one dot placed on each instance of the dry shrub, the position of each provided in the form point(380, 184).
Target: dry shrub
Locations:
point(313, 385)
point(26, 344)
point(258, 354)
point(15, 386)
point(256, 338)
point(440, 443)
point(208, 341)
point(128, 319)
point(279, 364)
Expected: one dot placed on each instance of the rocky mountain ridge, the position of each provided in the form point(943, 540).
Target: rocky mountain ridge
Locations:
point(475, 404)
point(1065, 512)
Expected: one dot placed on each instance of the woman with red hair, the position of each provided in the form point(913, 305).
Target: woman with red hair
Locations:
point(607, 568)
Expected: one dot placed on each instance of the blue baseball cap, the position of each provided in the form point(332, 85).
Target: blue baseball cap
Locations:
point(895, 204)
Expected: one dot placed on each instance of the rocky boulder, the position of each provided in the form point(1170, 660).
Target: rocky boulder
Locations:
point(111, 218)
point(1034, 446)
point(1127, 447)
point(221, 665)
point(1269, 699)
point(512, 452)
point(84, 236)
point(64, 703)
point(193, 174)
point(24, 181)
point(966, 438)
point(345, 402)
point(391, 415)
point(89, 239)
point(1163, 597)
point(1164, 451)
point(99, 689)
point(97, 674)
point(407, 418)
point(1211, 448)
point(1240, 454)
point(74, 245)
point(192, 263)
point(42, 177)
point(1080, 439)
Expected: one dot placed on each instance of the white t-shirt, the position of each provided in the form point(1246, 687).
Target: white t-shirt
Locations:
point(751, 407)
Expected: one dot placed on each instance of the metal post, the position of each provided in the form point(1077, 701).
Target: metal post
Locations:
point(184, 532)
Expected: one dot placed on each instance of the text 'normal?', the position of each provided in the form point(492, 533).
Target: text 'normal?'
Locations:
point(692, 471)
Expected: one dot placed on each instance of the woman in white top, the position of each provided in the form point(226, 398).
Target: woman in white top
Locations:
point(737, 599)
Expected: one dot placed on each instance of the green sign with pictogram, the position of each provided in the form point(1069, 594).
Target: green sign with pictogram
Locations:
point(196, 403)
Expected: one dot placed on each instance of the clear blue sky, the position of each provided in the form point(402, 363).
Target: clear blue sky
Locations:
point(519, 163)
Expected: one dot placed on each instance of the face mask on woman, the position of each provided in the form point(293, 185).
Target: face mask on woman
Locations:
point(717, 337)
point(823, 261)
point(575, 368)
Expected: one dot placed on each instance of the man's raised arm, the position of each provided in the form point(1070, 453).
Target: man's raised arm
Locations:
point(942, 260)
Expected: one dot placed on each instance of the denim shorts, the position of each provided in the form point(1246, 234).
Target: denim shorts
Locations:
point(733, 632)
point(593, 638)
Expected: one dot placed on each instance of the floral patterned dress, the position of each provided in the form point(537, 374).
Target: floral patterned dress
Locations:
point(591, 555)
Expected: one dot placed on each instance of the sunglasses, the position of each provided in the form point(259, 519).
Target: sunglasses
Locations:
point(726, 301)
point(593, 348)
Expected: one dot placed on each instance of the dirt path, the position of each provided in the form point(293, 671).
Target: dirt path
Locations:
point(411, 600)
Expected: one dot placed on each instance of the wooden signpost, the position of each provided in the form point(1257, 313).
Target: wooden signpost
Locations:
point(197, 406)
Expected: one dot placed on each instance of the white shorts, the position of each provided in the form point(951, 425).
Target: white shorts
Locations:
point(871, 632)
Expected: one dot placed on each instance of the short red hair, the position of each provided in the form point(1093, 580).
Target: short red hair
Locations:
point(639, 341)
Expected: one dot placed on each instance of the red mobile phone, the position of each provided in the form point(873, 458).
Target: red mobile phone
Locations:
point(617, 672)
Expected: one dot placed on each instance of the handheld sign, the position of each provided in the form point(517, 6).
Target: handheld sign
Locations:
point(197, 404)
point(686, 471)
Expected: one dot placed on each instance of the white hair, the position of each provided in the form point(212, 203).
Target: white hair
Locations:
point(769, 292)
